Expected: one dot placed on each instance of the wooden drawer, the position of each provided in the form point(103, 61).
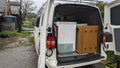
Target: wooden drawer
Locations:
point(87, 39)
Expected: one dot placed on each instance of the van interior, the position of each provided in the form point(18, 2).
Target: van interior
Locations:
point(87, 39)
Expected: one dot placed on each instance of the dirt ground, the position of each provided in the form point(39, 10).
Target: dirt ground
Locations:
point(16, 53)
point(18, 57)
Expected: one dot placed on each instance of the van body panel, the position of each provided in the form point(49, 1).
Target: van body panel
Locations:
point(112, 25)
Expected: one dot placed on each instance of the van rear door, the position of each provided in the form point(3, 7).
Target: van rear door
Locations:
point(112, 26)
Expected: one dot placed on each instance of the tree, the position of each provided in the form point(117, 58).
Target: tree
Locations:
point(20, 17)
point(27, 7)
point(101, 6)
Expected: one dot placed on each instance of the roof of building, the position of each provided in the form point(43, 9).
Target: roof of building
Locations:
point(15, 3)
point(2, 5)
point(15, 7)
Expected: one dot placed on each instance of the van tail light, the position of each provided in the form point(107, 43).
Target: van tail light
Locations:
point(51, 42)
point(104, 39)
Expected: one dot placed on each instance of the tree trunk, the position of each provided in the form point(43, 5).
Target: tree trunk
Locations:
point(20, 18)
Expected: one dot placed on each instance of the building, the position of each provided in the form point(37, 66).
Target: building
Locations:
point(2, 7)
point(9, 9)
point(15, 11)
point(15, 7)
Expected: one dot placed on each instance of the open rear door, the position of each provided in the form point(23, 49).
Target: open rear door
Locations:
point(112, 26)
point(43, 35)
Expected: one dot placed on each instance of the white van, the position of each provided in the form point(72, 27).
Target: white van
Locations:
point(112, 26)
point(69, 34)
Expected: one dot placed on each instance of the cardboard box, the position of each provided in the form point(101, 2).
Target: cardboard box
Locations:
point(87, 39)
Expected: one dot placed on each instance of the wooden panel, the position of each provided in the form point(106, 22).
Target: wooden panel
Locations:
point(79, 40)
point(87, 39)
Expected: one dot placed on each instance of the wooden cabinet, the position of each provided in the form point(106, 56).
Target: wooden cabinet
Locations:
point(87, 39)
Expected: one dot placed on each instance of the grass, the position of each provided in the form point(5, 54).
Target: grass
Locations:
point(8, 37)
point(23, 34)
point(13, 42)
point(31, 20)
point(5, 34)
point(27, 24)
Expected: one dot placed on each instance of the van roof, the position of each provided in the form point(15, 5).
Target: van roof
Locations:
point(85, 2)
point(116, 2)
point(90, 2)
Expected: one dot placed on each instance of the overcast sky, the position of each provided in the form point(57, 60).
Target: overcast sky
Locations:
point(40, 2)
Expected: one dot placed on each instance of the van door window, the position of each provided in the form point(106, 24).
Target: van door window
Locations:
point(37, 22)
point(115, 15)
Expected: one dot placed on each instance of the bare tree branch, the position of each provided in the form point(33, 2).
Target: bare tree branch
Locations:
point(27, 7)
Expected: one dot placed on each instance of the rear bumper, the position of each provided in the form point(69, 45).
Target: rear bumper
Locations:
point(52, 65)
point(78, 59)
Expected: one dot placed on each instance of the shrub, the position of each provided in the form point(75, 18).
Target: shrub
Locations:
point(5, 34)
point(112, 59)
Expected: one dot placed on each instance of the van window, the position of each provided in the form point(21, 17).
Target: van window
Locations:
point(81, 14)
point(37, 22)
point(115, 15)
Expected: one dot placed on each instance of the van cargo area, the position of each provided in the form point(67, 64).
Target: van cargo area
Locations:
point(79, 33)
